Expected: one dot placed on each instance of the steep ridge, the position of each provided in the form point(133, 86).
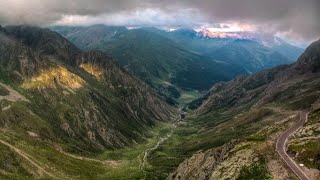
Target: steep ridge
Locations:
point(256, 109)
point(266, 86)
point(89, 108)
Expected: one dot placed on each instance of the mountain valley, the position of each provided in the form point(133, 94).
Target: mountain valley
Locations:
point(56, 96)
point(159, 90)
point(59, 102)
point(181, 63)
point(233, 130)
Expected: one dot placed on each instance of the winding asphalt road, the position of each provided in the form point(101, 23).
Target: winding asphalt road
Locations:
point(281, 146)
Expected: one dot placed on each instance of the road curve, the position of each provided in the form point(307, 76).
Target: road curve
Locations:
point(282, 142)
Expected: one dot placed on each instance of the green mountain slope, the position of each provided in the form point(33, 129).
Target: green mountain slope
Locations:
point(234, 128)
point(250, 55)
point(88, 37)
point(63, 111)
point(184, 62)
point(154, 58)
point(84, 98)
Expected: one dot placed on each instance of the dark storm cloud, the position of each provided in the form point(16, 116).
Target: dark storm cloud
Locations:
point(295, 18)
point(48, 11)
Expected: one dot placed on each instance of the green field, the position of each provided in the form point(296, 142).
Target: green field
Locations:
point(118, 164)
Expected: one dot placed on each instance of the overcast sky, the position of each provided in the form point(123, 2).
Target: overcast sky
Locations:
point(295, 19)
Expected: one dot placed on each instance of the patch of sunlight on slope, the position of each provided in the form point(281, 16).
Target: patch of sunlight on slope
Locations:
point(53, 78)
point(92, 69)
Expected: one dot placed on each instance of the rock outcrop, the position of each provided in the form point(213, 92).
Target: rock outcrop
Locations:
point(201, 165)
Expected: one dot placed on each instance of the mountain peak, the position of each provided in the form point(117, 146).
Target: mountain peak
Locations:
point(310, 59)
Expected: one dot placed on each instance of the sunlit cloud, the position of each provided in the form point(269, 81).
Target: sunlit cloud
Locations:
point(228, 27)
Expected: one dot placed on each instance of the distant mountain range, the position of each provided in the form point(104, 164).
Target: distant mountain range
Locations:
point(268, 40)
point(165, 65)
point(228, 47)
point(180, 61)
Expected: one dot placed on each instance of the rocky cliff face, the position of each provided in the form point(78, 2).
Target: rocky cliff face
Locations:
point(87, 99)
point(309, 61)
point(201, 165)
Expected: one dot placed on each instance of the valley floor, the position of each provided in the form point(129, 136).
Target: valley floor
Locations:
point(31, 157)
point(168, 145)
